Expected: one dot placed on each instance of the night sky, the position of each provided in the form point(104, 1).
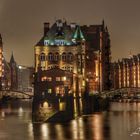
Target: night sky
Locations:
point(21, 23)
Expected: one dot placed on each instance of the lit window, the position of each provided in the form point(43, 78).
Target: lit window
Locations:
point(58, 79)
point(71, 69)
point(57, 90)
point(50, 56)
point(64, 56)
point(46, 42)
point(50, 90)
point(44, 78)
point(59, 42)
point(56, 57)
point(49, 78)
point(42, 57)
point(64, 78)
point(70, 56)
point(45, 105)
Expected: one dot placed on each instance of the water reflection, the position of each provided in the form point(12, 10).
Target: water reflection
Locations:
point(122, 122)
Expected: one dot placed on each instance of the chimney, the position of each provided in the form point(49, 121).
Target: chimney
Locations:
point(46, 28)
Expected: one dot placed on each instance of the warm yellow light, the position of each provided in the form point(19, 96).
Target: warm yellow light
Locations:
point(64, 78)
point(62, 106)
point(45, 104)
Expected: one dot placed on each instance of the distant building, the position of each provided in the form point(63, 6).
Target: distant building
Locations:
point(126, 72)
point(14, 73)
point(6, 76)
point(83, 51)
point(25, 78)
point(13, 76)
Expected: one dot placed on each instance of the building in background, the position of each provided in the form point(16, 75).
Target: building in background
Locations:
point(13, 76)
point(83, 51)
point(6, 76)
point(126, 73)
point(14, 73)
point(98, 56)
point(25, 78)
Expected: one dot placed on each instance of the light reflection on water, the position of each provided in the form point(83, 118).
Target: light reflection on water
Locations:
point(122, 122)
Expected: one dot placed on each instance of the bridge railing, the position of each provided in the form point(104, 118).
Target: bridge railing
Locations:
point(15, 93)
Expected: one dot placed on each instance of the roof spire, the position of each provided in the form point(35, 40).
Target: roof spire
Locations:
point(78, 35)
point(12, 60)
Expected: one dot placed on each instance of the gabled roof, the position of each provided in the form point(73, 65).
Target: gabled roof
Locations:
point(61, 32)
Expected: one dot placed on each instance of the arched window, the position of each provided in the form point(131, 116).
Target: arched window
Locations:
point(56, 56)
point(50, 56)
point(42, 57)
point(64, 56)
point(70, 56)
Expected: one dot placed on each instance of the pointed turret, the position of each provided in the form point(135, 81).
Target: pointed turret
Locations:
point(12, 60)
point(78, 35)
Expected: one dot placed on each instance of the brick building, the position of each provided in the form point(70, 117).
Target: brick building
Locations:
point(126, 73)
point(83, 51)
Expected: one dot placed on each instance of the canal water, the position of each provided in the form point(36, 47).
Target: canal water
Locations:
point(121, 122)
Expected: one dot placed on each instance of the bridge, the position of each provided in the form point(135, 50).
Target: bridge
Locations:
point(132, 93)
point(16, 94)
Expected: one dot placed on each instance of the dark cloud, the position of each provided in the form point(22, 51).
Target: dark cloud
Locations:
point(21, 23)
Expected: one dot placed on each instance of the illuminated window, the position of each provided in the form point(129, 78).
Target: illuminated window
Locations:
point(64, 68)
point(56, 57)
point(46, 42)
point(42, 57)
point(64, 56)
point(50, 56)
point(59, 42)
point(71, 69)
point(70, 56)
point(64, 78)
point(50, 90)
point(57, 90)
point(49, 78)
point(44, 78)
point(58, 78)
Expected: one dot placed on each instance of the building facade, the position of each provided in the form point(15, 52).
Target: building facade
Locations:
point(126, 73)
point(25, 78)
point(83, 51)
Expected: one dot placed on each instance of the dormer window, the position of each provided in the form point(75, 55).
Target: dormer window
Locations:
point(46, 42)
point(59, 42)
